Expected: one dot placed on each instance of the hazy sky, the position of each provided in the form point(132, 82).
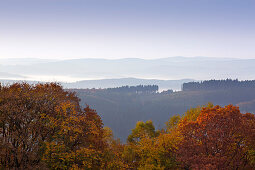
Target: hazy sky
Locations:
point(127, 28)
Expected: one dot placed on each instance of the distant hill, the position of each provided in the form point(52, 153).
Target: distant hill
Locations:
point(172, 68)
point(110, 83)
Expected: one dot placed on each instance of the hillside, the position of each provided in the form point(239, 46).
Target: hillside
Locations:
point(120, 111)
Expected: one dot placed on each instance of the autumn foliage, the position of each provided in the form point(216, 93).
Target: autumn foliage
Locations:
point(43, 127)
point(220, 138)
point(208, 137)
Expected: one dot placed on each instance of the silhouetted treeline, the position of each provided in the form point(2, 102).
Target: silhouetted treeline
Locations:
point(218, 84)
point(135, 89)
point(140, 89)
point(170, 91)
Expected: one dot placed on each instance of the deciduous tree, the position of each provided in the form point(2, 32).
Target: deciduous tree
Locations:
point(44, 122)
point(220, 138)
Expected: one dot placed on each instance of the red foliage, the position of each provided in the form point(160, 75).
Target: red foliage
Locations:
point(220, 138)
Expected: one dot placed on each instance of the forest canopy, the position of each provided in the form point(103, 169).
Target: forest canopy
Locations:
point(42, 126)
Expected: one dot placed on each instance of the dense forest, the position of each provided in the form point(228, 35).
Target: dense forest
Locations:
point(134, 89)
point(42, 126)
point(218, 84)
point(120, 110)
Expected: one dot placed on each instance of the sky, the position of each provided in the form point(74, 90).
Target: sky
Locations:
point(65, 29)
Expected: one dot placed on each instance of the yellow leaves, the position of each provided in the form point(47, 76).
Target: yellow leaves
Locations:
point(142, 130)
point(79, 135)
point(150, 167)
point(153, 153)
point(59, 156)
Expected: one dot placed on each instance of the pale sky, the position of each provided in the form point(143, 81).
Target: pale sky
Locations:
point(127, 28)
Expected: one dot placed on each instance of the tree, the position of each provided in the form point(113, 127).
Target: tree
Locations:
point(148, 149)
point(142, 130)
point(114, 152)
point(44, 124)
point(220, 138)
point(173, 122)
point(78, 142)
point(23, 128)
point(190, 115)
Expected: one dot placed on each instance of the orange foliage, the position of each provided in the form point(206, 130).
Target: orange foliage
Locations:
point(44, 122)
point(220, 138)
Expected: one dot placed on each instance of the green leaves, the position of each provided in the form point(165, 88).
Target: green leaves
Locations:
point(142, 130)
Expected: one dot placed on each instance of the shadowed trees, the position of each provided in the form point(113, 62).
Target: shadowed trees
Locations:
point(134, 89)
point(218, 84)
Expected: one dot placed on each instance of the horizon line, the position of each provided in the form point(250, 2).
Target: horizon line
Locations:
point(142, 58)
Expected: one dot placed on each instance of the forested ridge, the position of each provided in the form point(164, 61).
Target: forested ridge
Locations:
point(120, 108)
point(43, 126)
point(218, 84)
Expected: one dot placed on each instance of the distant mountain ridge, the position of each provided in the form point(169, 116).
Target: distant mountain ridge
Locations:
point(172, 68)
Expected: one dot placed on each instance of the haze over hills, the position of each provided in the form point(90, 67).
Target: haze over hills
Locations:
point(172, 68)
point(110, 83)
